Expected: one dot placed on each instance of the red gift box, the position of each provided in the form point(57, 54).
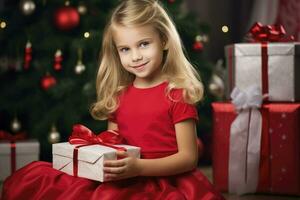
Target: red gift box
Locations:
point(279, 167)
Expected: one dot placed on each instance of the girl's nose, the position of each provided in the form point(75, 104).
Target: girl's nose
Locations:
point(136, 56)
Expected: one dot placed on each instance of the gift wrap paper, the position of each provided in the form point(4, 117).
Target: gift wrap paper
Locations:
point(279, 167)
point(244, 67)
point(90, 158)
point(27, 151)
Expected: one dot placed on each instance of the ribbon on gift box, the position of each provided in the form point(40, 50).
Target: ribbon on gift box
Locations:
point(245, 141)
point(4, 135)
point(261, 34)
point(265, 34)
point(84, 137)
point(268, 33)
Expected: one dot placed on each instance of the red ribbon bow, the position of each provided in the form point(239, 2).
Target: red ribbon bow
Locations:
point(84, 136)
point(4, 135)
point(268, 33)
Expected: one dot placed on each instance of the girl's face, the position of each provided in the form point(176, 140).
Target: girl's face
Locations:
point(141, 52)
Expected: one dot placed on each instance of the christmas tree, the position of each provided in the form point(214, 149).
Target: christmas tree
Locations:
point(49, 57)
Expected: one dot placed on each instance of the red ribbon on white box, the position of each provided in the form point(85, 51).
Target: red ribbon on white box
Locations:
point(245, 139)
point(85, 137)
point(265, 34)
point(12, 139)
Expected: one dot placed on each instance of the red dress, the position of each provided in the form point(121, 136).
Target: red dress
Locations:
point(145, 118)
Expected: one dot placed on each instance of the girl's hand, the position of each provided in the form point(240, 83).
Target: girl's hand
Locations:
point(121, 169)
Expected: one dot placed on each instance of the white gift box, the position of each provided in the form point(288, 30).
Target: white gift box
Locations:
point(90, 158)
point(244, 67)
point(27, 151)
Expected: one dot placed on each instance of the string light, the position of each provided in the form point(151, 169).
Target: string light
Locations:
point(2, 24)
point(86, 34)
point(225, 29)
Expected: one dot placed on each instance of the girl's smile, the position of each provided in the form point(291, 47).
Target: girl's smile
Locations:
point(140, 51)
point(141, 66)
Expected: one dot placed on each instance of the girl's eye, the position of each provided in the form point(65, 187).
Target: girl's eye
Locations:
point(125, 49)
point(144, 44)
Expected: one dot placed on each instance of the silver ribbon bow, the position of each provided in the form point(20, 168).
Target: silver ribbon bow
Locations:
point(245, 139)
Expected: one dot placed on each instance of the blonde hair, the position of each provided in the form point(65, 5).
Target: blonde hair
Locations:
point(112, 78)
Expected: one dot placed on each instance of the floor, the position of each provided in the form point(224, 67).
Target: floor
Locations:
point(208, 172)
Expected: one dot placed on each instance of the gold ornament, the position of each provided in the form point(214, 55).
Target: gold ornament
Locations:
point(54, 135)
point(27, 7)
point(201, 38)
point(216, 86)
point(67, 3)
point(80, 67)
point(205, 38)
point(198, 38)
point(82, 9)
point(15, 125)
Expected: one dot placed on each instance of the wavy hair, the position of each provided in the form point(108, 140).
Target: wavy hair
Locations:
point(112, 78)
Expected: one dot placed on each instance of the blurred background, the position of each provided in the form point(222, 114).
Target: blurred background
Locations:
point(49, 55)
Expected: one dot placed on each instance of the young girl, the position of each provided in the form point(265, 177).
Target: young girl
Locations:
point(147, 90)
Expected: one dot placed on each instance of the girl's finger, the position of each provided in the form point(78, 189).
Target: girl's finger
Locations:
point(113, 177)
point(114, 170)
point(109, 177)
point(122, 154)
point(114, 163)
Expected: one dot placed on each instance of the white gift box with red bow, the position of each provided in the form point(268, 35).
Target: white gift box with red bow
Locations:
point(26, 151)
point(90, 158)
point(245, 67)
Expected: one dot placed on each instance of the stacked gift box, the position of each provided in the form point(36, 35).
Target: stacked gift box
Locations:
point(16, 151)
point(256, 136)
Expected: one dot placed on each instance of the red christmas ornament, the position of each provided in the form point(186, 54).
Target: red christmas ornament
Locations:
point(171, 1)
point(27, 56)
point(66, 18)
point(198, 46)
point(48, 81)
point(57, 60)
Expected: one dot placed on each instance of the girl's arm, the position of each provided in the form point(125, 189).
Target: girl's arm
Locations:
point(112, 126)
point(184, 160)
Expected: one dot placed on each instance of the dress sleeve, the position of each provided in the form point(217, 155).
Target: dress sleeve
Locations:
point(181, 110)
